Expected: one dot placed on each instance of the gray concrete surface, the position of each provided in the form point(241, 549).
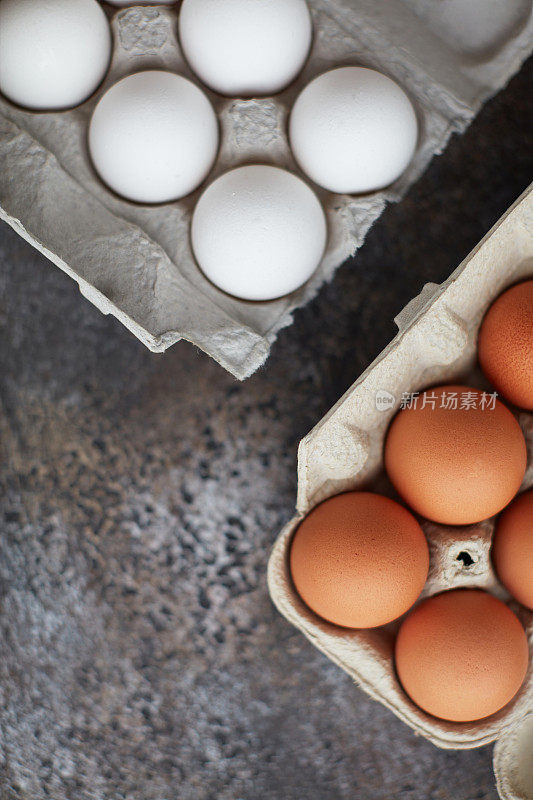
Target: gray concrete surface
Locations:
point(141, 658)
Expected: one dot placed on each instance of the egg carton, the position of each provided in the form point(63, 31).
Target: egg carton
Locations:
point(436, 344)
point(135, 262)
point(513, 761)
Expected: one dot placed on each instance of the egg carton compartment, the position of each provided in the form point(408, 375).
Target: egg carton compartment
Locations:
point(436, 344)
point(135, 261)
point(475, 30)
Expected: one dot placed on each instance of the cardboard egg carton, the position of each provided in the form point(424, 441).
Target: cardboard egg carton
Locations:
point(135, 262)
point(436, 344)
point(513, 761)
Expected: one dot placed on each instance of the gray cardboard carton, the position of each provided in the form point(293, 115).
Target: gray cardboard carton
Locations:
point(135, 262)
point(436, 343)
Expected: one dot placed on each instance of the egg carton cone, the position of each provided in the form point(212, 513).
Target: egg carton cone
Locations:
point(436, 344)
point(136, 263)
point(513, 761)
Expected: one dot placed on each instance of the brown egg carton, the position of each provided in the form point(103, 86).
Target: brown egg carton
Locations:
point(436, 344)
point(136, 262)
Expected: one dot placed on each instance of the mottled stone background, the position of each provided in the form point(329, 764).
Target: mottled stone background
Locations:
point(141, 658)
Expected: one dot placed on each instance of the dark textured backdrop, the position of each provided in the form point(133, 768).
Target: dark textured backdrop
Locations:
point(140, 655)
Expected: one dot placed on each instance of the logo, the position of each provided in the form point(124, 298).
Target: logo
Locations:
point(384, 400)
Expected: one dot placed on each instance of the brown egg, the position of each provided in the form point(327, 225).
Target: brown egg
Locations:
point(461, 655)
point(505, 345)
point(512, 550)
point(359, 560)
point(456, 465)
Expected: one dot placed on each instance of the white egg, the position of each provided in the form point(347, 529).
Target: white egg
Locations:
point(245, 48)
point(258, 232)
point(53, 54)
point(353, 130)
point(153, 137)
